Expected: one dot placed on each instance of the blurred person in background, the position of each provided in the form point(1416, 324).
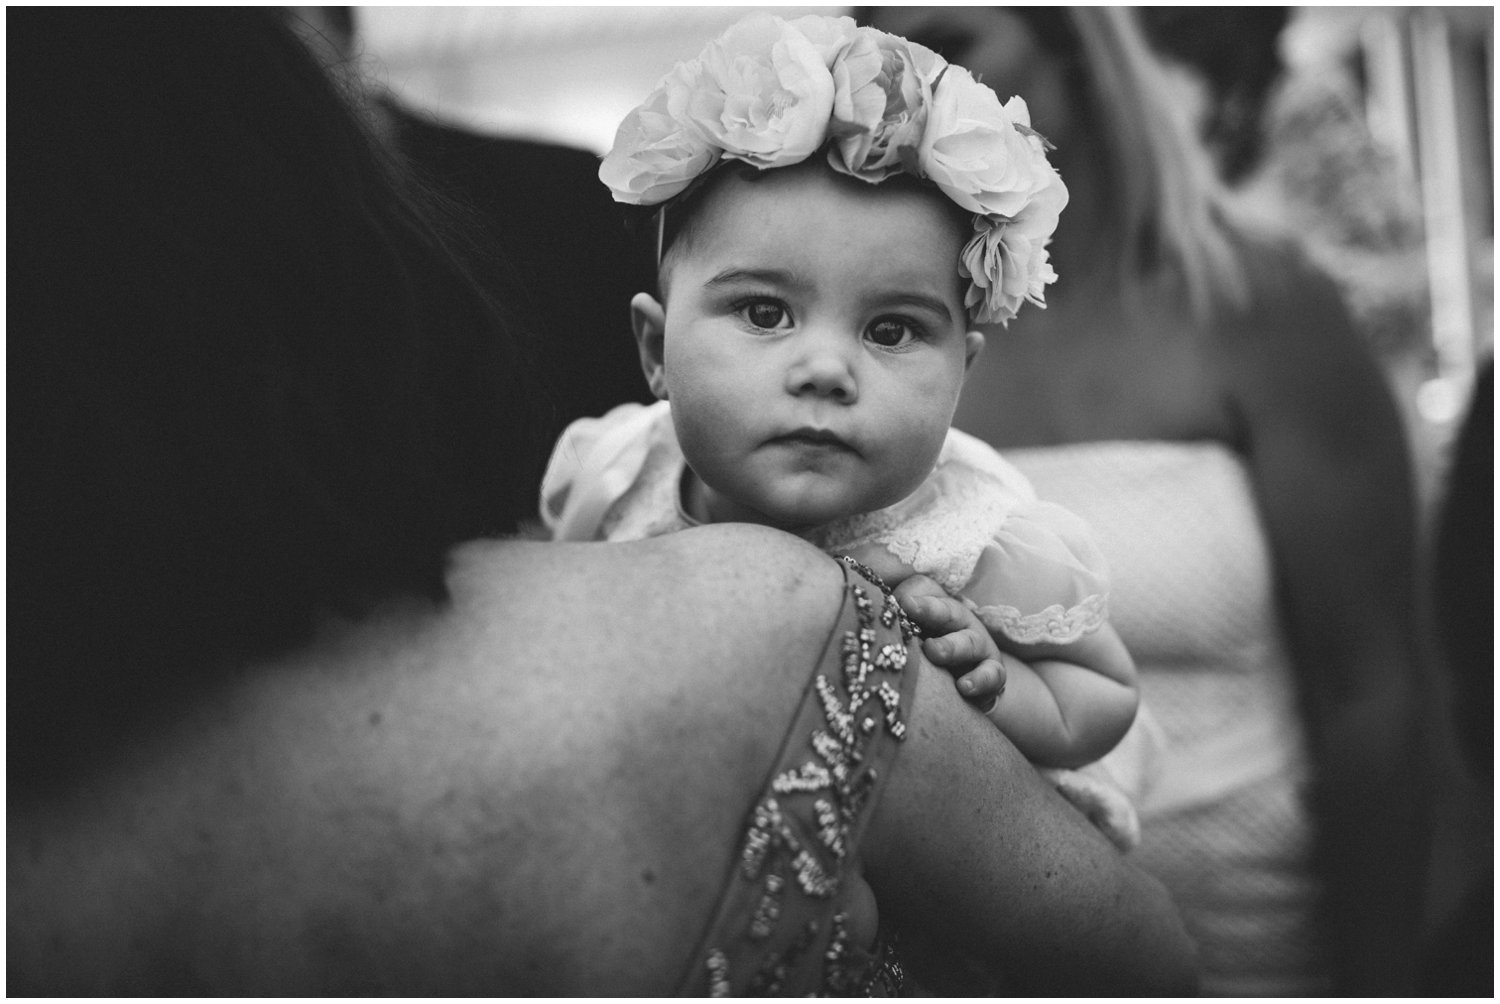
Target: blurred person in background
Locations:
point(280, 721)
point(1461, 955)
point(566, 265)
point(1197, 392)
point(1463, 573)
point(1234, 52)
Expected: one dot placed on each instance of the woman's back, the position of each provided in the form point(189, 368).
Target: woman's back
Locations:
point(562, 827)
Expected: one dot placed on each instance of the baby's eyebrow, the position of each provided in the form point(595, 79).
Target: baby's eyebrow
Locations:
point(732, 275)
point(919, 300)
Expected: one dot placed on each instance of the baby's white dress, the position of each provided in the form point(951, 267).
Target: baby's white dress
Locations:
point(1029, 569)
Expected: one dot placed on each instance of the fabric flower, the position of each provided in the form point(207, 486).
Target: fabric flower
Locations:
point(828, 35)
point(882, 90)
point(766, 93)
point(1006, 261)
point(657, 150)
point(973, 151)
point(998, 272)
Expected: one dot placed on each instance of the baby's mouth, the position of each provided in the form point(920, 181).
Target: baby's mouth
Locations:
point(819, 438)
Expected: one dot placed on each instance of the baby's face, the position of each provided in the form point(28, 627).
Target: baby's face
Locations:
point(815, 344)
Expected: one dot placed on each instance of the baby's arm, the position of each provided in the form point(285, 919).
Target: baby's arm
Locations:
point(1067, 705)
point(1062, 705)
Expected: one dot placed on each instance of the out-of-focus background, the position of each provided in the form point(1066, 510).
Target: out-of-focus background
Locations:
point(1379, 143)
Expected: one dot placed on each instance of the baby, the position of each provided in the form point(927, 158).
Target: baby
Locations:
point(837, 209)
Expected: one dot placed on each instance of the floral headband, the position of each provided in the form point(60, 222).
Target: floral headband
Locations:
point(772, 93)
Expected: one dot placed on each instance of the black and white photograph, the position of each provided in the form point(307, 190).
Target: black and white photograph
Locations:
point(728, 501)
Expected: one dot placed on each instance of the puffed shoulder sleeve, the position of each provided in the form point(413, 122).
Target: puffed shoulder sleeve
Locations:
point(1041, 577)
point(595, 461)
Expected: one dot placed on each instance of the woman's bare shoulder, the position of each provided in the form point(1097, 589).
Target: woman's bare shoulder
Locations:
point(737, 611)
point(720, 578)
point(420, 802)
point(660, 679)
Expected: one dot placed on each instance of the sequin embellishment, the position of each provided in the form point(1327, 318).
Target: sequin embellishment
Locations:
point(780, 927)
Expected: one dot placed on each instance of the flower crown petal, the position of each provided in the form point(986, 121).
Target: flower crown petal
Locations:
point(884, 88)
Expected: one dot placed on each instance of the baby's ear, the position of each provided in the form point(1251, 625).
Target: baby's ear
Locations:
point(973, 345)
point(649, 320)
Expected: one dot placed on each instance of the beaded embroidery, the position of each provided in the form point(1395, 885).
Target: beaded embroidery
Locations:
point(780, 927)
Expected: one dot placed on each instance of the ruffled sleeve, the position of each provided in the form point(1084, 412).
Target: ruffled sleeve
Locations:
point(1030, 569)
point(595, 461)
point(1040, 578)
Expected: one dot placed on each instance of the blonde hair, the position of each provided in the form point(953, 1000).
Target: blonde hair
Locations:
point(1174, 211)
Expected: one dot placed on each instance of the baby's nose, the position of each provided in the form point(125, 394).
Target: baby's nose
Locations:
point(823, 369)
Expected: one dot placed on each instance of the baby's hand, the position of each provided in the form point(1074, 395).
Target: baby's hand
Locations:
point(955, 640)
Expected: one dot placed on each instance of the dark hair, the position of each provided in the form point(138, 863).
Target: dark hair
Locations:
point(251, 383)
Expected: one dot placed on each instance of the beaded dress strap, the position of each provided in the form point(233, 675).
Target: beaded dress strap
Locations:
point(780, 924)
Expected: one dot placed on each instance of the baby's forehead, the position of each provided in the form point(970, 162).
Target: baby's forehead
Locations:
point(815, 182)
point(786, 208)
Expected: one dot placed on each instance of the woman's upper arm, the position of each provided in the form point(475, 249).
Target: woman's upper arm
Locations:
point(1332, 475)
point(1329, 459)
point(970, 850)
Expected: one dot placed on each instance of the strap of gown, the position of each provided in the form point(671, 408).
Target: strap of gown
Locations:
point(779, 926)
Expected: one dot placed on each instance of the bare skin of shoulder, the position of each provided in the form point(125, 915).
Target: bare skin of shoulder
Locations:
point(401, 806)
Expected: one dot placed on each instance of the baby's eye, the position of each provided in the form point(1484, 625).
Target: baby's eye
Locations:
point(891, 332)
point(766, 314)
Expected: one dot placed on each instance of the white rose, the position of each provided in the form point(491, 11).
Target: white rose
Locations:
point(828, 35)
point(1038, 219)
point(1005, 266)
point(973, 151)
point(657, 151)
point(882, 90)
point(766, 93)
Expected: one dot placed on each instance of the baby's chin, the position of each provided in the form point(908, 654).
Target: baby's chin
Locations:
point(802, 502)
point(809, 513)
point(794, 517)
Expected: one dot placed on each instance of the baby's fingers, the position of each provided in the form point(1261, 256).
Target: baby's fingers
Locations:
point(936, 613)
point(959, 650)
point(984, 684)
